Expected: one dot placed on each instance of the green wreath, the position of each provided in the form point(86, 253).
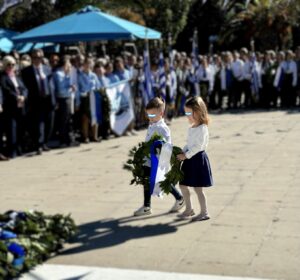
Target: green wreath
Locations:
point(40, 236)
point(138, 157)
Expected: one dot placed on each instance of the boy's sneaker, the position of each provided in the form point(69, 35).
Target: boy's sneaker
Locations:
point(177, 206)
point(143, 211)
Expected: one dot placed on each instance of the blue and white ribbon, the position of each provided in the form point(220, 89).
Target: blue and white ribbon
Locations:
point(159, 165)
point(17, 250)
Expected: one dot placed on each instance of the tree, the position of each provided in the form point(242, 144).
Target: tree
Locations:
point(205, 17)
point(167, 16)
point(29, 15)
point(269, 22)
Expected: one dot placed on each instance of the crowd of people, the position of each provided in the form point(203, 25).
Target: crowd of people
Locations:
point(42, 99)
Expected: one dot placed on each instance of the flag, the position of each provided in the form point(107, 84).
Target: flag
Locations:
point(8, 4)
point(148, 83)
point(162, 75)
point(173, 82)
point(254, 75)
point(195, 63)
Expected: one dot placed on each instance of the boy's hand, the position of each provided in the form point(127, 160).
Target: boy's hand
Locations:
point(181, 157)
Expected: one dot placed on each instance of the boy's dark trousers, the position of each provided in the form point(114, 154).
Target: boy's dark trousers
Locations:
point(147, 194)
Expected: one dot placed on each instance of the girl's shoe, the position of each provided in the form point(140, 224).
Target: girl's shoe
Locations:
point(201, 217)
point(186, 214)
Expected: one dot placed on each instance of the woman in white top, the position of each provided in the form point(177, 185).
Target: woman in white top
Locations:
point(196, 166)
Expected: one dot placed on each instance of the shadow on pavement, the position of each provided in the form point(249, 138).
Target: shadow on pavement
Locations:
point(112, 232)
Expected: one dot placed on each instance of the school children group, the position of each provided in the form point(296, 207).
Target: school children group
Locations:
point(195, 163)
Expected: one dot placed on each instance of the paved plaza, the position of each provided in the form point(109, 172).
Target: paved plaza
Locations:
point(255, 226)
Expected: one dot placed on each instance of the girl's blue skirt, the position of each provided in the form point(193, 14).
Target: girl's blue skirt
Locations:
point(197, 171)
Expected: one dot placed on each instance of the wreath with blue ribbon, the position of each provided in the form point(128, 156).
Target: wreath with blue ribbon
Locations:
point(149, 150)
point(29, 238)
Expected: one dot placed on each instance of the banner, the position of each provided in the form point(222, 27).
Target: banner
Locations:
point(122, 113)
point(8, 4)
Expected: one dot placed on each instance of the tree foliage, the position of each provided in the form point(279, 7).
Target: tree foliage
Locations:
point(268, 22)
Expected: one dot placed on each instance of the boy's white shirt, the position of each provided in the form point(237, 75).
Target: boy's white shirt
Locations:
point(160, 128)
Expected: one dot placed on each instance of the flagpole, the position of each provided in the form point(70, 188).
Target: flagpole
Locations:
point(148, 87)
point(147, 46)
point(146, 40)
point(252, 45)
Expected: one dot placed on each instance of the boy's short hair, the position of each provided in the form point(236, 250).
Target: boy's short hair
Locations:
point(156, 103)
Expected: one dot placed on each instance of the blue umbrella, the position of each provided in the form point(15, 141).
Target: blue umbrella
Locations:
point(6, 44)
point(28, 47)
point(88, 24)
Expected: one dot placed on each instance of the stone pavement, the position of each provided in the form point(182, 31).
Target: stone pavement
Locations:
point(255, 225)
point(68, 272)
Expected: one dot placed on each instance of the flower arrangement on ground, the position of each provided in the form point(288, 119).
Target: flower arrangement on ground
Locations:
point(29, 238)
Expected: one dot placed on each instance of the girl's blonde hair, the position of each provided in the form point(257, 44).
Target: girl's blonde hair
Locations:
point(199, 108)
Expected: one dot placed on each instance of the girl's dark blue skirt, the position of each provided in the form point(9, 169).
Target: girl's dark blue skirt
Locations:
point(197, 171)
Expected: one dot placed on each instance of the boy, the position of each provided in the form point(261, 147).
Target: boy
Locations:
point(155, 111)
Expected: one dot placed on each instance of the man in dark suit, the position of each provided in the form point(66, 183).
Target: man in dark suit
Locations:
point(38, 78)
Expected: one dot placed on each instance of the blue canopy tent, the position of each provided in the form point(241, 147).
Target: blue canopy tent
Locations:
point(88, 24)
point(27, 47)
point(6, 44)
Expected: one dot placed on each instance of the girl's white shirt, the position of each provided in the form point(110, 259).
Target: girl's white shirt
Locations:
point(197, 140)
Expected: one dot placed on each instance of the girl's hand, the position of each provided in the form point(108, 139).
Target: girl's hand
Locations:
point(181, 157)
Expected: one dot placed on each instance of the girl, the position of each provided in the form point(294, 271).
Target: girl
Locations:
point(196, 167)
